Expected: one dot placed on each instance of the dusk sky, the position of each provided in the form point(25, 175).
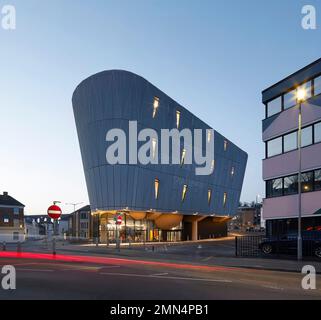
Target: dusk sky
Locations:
point(213, 57)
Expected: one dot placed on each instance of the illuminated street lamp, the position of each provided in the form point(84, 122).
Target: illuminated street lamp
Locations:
point(301, 96)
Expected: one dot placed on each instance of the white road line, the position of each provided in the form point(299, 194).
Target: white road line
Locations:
point(162, 277)
point(207, 258)
point(35, 270)
point(272, 287)
point(110, 267)
point(25, 264)
point(160, 274)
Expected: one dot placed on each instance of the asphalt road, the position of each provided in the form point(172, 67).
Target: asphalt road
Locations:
point(126, 279)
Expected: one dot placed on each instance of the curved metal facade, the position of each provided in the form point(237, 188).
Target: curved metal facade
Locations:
point(112, 98)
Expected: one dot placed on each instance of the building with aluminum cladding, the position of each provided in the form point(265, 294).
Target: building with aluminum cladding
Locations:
point(157, 201)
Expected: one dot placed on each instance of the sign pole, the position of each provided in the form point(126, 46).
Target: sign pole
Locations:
point(54, 212)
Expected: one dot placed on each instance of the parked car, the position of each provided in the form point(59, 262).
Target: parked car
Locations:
point(287, 244)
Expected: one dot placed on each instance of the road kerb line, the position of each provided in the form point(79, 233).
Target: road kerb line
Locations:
point(35, 270)
point(163, 277)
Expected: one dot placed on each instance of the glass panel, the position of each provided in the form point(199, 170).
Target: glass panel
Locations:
point(317, 86)
point(307, 181)
point(277, 186)
point(290, 141)
point(155, 106)
point(183, 156)
point(291, 185)
point(274, 147)
point(184, 192)
point(224, 199)
point(317, 132)
point(178, 118)
point(269, 188)
point(274, 188)
point(290, 99)
point(274, 106)
point(307, 88)
point(209, 196)
point(317, 180)
point(225, 145)
point(156, 185)
point(306, 136)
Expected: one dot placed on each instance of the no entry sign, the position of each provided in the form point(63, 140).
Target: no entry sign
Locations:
point(54, 212)
point(118, 219)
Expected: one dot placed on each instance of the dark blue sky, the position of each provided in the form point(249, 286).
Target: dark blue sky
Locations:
point(214, 57)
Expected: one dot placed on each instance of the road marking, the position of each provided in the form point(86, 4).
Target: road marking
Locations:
point(35, 270)
point(25, 264)
point(272, 287)
point(207, 258)
point(162, 277)
point(160, 274)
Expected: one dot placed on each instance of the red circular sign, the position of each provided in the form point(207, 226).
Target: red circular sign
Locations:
point(54, 212)
point(119, 219)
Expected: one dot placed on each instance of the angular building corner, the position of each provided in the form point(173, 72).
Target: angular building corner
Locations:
point(158, 202)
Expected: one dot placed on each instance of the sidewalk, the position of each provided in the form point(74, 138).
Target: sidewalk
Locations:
point(165, 255)
point(198, 253)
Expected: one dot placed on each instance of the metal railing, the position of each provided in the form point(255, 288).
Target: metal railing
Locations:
point(283, 245)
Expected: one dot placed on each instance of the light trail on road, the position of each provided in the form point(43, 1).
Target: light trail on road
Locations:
point(108, 261)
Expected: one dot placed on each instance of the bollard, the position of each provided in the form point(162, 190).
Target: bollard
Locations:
point(153, 248)
point(54, 246)
point(18, 246)
point(4, 246)
point(97, 241)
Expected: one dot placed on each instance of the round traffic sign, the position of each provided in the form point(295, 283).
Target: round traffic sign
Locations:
point(54, 212)
point(119, 219)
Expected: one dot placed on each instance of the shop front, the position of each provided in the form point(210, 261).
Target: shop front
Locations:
point(132, 230)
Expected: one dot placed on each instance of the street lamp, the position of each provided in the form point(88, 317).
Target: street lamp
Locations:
point(301, 94)
point(74, 205)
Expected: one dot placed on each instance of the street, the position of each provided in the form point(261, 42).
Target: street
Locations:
point(41, 276)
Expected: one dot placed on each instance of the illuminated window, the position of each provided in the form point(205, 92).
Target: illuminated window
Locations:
point(224, 199)
point(183, 157)
point(154, 145)
point(232, 171)
point(212, 165)
point(6, 220)
point(184, 192)
point(155, 106)
point(178, 118)
point(156, 184)
point(209, 196)
point(209, 135)
point(225, 145)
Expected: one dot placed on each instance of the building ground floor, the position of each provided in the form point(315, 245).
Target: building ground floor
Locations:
point(279, 227)
point(11, 234)
point(155, 226)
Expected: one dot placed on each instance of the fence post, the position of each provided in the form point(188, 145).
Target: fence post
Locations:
point(236, 246)
point(18, 247)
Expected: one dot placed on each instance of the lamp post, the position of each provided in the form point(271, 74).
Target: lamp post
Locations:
point(74, 205)
point(300, 98)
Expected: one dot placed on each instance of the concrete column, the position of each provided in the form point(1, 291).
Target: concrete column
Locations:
point(194, 230)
